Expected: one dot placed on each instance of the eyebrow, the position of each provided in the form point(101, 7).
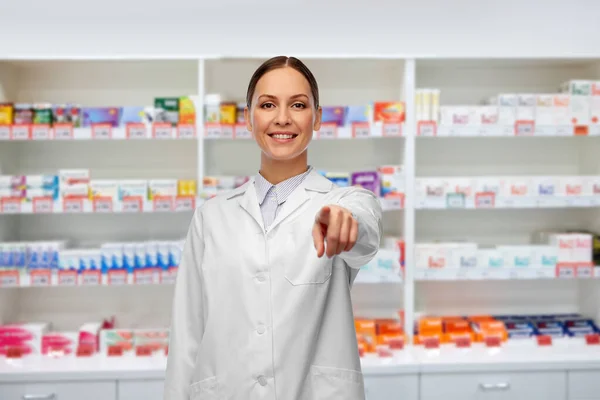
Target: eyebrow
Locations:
point(270, 96)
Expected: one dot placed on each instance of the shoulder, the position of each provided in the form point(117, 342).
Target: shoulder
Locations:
point(223, 199)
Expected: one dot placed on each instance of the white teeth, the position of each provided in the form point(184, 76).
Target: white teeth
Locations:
point(283, 136)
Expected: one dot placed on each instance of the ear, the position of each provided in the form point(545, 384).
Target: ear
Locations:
point(318, 116)
point(247, 119)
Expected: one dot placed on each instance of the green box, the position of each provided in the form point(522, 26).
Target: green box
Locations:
point(167, 110)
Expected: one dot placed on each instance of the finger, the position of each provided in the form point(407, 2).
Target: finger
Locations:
point(318, 239)
point(344, 233)
point(353, 236)
point(333, 234)
point(324, 215)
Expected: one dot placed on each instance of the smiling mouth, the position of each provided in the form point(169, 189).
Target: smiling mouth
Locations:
point(283, 136)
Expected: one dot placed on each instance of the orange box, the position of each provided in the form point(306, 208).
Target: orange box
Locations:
point(455, 325)
point(390, 339)
point(420, 338)
point(389, 112)
point(430, 325)
point(366, 333)
point(385, 326)
point(480, 318)
point(490, 328)
point(452, 336)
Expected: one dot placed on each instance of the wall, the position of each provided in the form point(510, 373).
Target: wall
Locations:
point(460, 28)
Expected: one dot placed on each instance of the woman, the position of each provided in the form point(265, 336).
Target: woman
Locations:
point(262, 306)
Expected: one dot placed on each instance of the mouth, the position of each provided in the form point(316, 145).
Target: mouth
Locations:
point(283, 137)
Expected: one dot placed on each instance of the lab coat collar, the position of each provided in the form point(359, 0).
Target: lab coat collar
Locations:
point(247, 198)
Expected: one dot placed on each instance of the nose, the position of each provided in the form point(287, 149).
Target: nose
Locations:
point(283, 117)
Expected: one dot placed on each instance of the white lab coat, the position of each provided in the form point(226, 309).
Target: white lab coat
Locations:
point(256, 314)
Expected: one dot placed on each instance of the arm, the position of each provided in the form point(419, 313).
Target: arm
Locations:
point(366, 209)
point(187, 326)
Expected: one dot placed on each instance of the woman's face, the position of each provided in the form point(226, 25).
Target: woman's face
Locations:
point(283, 115)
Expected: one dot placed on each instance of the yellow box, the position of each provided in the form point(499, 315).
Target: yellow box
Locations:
point(187, 111)
point(228, 113)
point(6, 113)
point(186, 188)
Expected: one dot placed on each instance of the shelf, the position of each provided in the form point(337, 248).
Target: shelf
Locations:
point(103, 206)
point(481, 274)
point(327, 132)
point(515, 355)
point(384, 268)
point(99, 206)
point(489, 201)
point(27, 133)
point(524, 130)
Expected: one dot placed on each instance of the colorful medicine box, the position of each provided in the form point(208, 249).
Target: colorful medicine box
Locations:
point(334, 115)
point(389, 112)
point(101, 115)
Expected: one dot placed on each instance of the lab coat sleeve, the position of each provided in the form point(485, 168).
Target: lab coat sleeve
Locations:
point(365, 207)
point(187, 326)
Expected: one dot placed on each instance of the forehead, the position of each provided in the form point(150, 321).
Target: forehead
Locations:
point(282, 82)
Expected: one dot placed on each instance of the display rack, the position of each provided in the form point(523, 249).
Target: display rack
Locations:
point(426, 150)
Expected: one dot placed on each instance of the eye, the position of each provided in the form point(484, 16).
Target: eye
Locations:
point(299, 105)
point(267, 105)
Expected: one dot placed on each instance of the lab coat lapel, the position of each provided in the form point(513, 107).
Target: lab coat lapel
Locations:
point(249, 202)
point(313, 182)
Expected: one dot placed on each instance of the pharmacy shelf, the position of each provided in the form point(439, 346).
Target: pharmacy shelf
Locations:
point(100, 205)
point(134, 205)
point(519, 130)
point(327, 131)
point(526, 273)
point(24, 133)
point(515, 355)
point(488, 201)
point(384, 268)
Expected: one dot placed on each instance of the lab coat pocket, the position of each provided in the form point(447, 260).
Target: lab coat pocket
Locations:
point(304, 267)
point(336, 384)
point(206, 389)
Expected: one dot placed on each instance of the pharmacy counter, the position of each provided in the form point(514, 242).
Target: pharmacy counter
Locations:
point(566, 370)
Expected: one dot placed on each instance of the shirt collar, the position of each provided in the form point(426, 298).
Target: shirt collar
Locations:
point(283, 189)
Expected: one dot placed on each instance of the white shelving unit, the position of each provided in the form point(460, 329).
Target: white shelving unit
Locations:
point(454, 152)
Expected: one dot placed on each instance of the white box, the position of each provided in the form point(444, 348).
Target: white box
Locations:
point(487, 115)
point(516, 256)
point(104, 188)
point(507, 108)
point(595, 103)
point(572, 247)
point(580, 91)
point(464, 256)
point(162, 188)
point(463, 185)
point(432, 188)
point(562, 109)
point(544, 186)
point(490, 258)
point(517, 186)
point(592, 185)
point(570, 186)
point(493, 185)
point(526, 104)
point(544, 256)
point(544, 111)
point(431, 255)
point(133, 188)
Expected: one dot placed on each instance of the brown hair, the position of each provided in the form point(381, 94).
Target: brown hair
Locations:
point(280, 62)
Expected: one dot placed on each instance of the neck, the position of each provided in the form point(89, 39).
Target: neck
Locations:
point(276, 171)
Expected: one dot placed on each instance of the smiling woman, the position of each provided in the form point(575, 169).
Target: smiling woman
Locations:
point(282, 112)
point(262, 304)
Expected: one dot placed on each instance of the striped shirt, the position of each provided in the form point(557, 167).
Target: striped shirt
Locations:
point(271, 197)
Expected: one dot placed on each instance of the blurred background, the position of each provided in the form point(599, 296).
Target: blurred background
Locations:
point(477, 124)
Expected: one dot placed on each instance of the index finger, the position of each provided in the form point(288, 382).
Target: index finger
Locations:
point(318, 239)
